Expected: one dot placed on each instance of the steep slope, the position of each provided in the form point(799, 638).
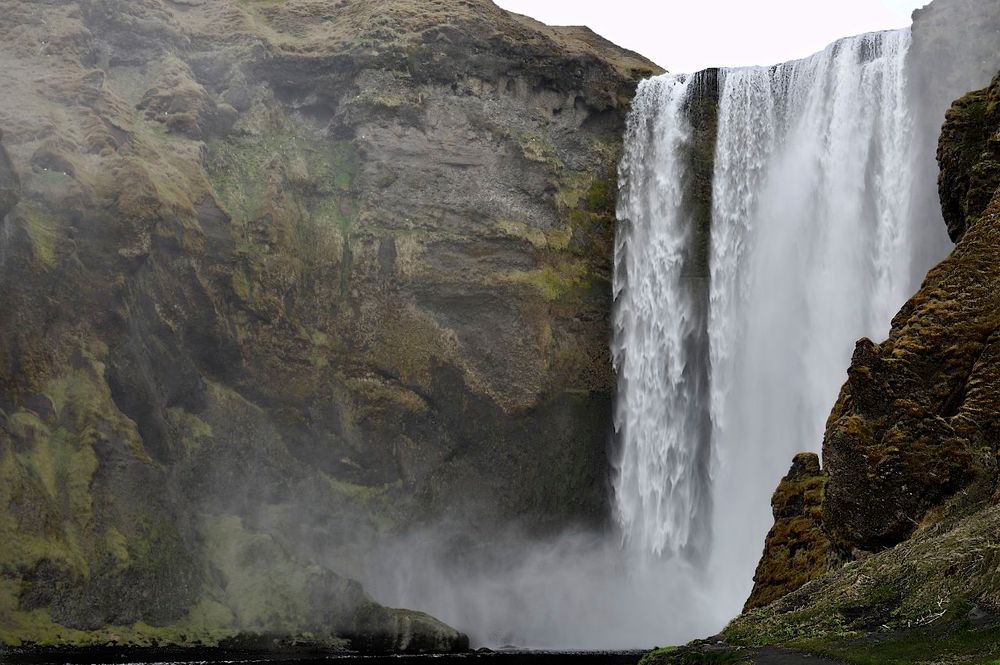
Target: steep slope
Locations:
point(279, 279)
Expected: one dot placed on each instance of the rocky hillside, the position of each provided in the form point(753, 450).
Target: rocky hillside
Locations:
point(279, 279)
point(906, 509)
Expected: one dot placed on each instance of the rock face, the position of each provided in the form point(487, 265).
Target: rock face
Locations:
point(969, 154)
point(911, 447)
point(797, 549)
point(279, 279)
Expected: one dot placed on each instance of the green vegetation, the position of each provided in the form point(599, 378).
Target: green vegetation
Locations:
point(44, 231)
point(535, 148)
point(255, 173)
point(953, 644)
point(555, 282)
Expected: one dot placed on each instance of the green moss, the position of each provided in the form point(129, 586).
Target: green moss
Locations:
point(572, 189)
point(692, 656)
point(318, 176)
point(241, 285)
point(191, 430)
point(554, 282)
point(37, 627)
point(346, 259)
point(381, 99)
point(203, 626)
point(602, 196)
point(293, 201)
point(535, 148)
point(266, 589)
point(557, 239)
point(52, 475)
point(43, 230)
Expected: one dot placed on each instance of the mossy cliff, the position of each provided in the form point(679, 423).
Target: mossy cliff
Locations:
point(280, 279)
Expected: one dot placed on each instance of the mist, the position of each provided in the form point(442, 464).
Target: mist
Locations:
point(577, 591)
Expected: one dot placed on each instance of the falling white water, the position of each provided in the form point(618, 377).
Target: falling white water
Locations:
point(657, 495)
point(811, 249)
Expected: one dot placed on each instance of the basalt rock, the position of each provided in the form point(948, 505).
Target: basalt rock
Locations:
point(280, 279)
point(969, 154)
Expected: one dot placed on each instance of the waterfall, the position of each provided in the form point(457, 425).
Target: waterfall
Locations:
point(662, 488)
point(810, 248)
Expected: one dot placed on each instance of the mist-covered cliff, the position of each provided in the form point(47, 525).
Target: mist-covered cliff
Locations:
point(280, 279)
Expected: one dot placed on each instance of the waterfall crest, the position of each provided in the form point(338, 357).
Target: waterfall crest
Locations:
point(811, 246)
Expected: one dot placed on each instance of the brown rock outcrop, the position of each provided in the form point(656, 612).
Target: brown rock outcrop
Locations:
point(796, 550)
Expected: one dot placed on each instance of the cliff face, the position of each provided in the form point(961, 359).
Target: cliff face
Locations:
point(279, 278)
point(909, 485)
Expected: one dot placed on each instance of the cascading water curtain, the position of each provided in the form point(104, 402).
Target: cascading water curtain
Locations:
point(660, 498)
point(811, 249)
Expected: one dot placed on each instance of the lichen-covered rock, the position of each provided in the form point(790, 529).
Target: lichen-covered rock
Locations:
point(890, 450)
point(319, 270)
point(796, 550)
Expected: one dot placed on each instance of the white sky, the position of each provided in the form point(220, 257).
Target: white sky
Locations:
point(689, 35)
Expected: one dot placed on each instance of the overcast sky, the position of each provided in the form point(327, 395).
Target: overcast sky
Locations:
point(688, 35)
